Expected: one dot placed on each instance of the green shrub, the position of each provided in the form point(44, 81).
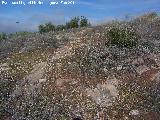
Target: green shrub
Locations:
point(122, 37)
point(84, 22)
point(77, 22)
point(47, 27)
point(41, 28)
point(73, 23)
point(3, 36)
point(60, 27)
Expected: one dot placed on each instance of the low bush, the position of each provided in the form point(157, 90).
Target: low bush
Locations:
point(3, 36)
point(84, 22)
point(60, 27)
point(47, 27)
point(73, 23)
point(122, 37)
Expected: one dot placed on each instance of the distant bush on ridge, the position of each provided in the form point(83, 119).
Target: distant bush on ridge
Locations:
point(46, 27)
point(3, 36)
point(75, 22)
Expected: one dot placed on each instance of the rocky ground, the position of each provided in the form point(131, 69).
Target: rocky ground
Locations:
point(73, 74)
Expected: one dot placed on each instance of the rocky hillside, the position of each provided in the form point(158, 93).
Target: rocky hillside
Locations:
point(79, 74)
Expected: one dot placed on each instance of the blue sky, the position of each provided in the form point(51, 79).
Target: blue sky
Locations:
point(97, 11)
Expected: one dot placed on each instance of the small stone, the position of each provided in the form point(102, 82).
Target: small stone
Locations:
point(157, 77)
point(126, 118)
point(134, 112)
point(42, 80)
point(141, 69)
point(119, 67)
point(105, 70)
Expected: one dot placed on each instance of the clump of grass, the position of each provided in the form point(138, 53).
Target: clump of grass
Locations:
point(122, 37)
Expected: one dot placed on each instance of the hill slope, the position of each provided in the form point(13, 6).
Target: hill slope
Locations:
point(76, 74)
